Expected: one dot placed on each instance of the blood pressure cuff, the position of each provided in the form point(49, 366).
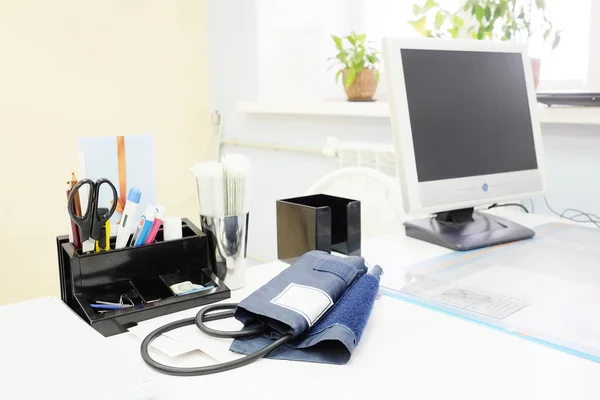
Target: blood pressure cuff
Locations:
point(324, 301)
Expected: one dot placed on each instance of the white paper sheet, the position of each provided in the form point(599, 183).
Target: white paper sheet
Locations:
point(466, 298)
point(191, 337)
point(165, 344)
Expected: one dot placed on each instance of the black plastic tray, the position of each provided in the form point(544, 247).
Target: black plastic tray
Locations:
point(142, 274)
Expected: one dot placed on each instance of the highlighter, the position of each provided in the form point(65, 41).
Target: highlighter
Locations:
point(160, 211)
point(144, 226)
point(127, 226)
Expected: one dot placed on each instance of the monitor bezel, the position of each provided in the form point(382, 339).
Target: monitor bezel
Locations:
point(452, 194)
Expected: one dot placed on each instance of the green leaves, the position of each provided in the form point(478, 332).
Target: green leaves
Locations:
point(479, 12)
point(457, 21)
point(429, 4)
point(350, 77)
point(353, 56)
point(556, 40)
point(342, 56)
point(338, 42)
point(454, 32)
point(419, 26)
point(432, 20)
point(488, 13)
point(377, 75)
point(439, 20)
point(506, 20)
point(497, 12)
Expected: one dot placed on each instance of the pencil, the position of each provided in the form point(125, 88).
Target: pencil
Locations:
point(76, 200)
point(74, 229)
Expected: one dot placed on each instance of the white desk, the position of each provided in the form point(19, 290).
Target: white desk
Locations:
point(407, 352)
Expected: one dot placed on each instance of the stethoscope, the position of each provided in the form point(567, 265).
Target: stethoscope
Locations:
point(199, 320)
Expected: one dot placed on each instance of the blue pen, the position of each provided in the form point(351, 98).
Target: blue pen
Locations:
point(107, 306)
point(144, 226)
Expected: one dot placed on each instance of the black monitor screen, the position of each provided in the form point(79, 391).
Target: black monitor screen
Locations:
point(469, 113)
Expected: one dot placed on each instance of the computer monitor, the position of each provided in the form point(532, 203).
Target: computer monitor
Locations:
point(466, 133)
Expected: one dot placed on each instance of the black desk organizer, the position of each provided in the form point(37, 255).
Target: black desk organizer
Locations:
point(317, 222)
point(143, 273)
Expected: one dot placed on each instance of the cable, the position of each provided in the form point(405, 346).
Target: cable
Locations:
point(199, 320)
point(593, 218)
point(579, 213)
point(509, 205)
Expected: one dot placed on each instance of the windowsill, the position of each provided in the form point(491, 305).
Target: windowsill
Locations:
point(380, 109)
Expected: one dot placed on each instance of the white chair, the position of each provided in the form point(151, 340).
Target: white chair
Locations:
point(379, 195)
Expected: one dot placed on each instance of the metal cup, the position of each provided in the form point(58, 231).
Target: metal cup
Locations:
point(227, 243)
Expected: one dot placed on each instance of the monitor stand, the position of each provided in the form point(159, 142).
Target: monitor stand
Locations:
point(466, 230)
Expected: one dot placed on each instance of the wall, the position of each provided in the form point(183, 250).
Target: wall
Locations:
point(571, 151)
point(90, 68)
point(235, 66)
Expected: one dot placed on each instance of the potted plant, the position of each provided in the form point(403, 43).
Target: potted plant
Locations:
point(446, 25)
point(489, 19)
point(358, 66)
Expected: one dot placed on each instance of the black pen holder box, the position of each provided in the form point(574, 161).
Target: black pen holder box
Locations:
point(140, 275)
point(317, 222)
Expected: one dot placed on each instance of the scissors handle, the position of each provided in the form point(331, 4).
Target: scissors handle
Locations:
point(106, 216)
point(84, 221)
point(101, 215)
point(91, 221)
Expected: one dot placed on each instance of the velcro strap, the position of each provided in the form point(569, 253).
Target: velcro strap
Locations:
point(346, 272)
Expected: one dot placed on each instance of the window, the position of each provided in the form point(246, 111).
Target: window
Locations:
point(573, 65)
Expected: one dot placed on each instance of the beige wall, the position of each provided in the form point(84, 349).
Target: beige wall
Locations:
point(73, 68)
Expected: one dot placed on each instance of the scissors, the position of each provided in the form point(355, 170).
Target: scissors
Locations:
point(92, 221)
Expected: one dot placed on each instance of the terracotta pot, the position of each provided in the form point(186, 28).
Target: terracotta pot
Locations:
point(364, 85)
point(536, 64)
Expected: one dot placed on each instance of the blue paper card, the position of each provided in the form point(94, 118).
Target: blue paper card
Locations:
point(127, 161)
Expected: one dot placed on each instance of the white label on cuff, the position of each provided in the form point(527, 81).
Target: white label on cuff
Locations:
point(307, 301)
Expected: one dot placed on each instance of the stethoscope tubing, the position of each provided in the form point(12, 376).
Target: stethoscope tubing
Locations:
point(201, 317)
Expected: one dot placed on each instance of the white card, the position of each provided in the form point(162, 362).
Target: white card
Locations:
point(310, 302)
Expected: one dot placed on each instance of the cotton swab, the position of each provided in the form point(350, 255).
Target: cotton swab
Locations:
point(209, 183)
point(236, 170)
point(223, 187)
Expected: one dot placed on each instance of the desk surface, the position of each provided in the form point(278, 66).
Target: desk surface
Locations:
point(406, 352)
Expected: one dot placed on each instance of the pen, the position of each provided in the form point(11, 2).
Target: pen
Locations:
point(144, 225)
point(127, 224)
point(107, 306)
point(160, 211)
